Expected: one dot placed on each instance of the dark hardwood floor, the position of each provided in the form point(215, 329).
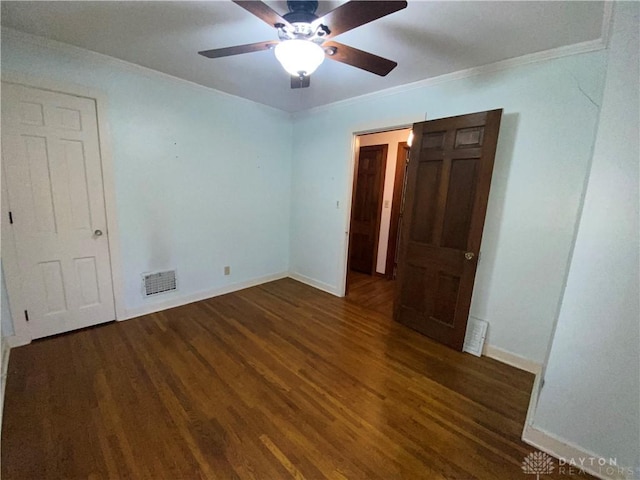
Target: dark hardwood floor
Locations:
point(373, 292)
point(276, 381)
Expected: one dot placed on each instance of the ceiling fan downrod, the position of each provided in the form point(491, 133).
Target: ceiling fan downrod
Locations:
point(302, 22)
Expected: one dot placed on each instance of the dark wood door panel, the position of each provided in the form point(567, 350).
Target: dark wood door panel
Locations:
point(367, 208)
point(459, 205)
point(430, 301)
point(424, 255)
point(428, 177)
point(447, 191)
point(362, 250)
point(396, 210)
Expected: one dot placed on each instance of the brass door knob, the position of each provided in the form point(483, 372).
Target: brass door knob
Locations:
point(469, 255)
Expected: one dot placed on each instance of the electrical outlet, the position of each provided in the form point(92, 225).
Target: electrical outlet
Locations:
point(227, 270)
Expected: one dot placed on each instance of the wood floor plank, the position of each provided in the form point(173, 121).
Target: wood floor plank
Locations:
point(276, 381)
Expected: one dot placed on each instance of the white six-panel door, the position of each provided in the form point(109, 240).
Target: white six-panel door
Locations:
point(51, 159)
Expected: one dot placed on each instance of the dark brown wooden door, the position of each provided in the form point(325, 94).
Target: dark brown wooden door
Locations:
point(448, 180)
point(396, 210)
point(367, 208)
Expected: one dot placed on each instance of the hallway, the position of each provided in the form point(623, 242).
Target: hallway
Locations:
point(373, 292)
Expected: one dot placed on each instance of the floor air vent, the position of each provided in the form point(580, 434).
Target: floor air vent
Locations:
point(474, 339)
point(159, 282)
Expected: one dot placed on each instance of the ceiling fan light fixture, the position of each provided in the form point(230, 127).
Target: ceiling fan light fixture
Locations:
point(299, 57)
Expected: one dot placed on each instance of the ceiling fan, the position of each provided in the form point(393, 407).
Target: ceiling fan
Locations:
point(305, 38)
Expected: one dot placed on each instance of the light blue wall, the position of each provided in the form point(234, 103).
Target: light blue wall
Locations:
point(546, 138)
point(202, 178)
point(591, 392)
point(205, 180)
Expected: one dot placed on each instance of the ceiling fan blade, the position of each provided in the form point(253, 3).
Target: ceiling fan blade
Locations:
point(355, 13)
point(238, 49)
point(263, 12)
point(358, 58)
point(300, 82)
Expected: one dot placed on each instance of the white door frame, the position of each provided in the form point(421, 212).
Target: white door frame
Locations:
point(355, 150)
point(17, 303)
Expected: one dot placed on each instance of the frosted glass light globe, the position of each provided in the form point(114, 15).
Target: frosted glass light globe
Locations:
point(299, 57)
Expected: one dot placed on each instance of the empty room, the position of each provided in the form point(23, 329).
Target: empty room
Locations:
point(320, 240)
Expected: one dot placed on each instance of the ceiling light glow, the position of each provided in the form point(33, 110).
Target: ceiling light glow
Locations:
point(299, 57)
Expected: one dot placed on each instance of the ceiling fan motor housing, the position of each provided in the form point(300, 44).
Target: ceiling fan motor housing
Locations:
point(308, 6)
point(301, 15)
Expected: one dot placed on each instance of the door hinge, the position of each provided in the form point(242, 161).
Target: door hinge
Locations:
point(26, 315)
point(11, 218)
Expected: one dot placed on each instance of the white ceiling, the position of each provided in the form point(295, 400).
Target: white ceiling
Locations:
point(427, 39)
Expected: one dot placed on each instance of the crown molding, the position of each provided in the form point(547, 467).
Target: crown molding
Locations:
point(100, 58)
point(538, 57)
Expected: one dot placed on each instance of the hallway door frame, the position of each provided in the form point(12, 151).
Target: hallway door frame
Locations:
point(353, 162)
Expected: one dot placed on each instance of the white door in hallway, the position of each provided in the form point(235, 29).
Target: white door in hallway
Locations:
point(51, 159)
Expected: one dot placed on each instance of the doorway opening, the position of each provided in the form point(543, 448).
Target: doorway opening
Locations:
point(378, 184)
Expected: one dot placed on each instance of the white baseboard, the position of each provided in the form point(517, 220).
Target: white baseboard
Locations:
point(202, 295)
point(533, 400)
point(512, 359)
point(325, 287)
point(570, 453)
